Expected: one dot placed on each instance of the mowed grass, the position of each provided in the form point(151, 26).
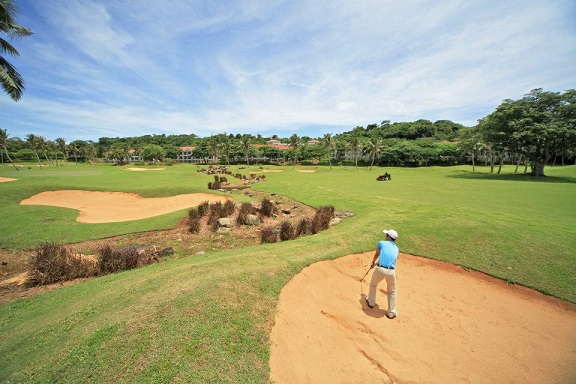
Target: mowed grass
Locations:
point(207, 318)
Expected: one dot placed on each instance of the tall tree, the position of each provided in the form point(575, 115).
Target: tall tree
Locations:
point(61, 146)
point(471, 143)
point(213, 148)
point(374, 148)
point(536, 126)
point(12, 81)
point(34, 143)
point(294, 145)
point(245, 144)
point(355, 146)
point(4, 144)
point(329, 143)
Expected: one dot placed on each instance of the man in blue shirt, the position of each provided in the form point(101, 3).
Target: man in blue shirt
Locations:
point(385, 261)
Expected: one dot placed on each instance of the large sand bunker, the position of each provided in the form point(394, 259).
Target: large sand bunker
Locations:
point(110, 207)
point(453, 326)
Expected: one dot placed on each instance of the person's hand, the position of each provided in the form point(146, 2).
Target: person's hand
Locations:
point(372, 265)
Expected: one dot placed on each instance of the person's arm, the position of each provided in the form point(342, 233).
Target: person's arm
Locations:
point(375, 258)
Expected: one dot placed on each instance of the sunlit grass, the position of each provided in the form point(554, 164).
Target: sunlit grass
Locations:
point(207, 318)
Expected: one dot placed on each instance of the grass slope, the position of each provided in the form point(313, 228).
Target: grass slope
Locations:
point(207, 318)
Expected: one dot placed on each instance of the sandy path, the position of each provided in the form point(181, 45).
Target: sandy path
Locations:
point(453, 326)
point(110, 207)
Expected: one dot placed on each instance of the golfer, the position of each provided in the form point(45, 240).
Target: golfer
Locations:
point(385, 262)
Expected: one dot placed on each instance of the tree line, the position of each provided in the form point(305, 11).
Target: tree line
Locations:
point(530, 131)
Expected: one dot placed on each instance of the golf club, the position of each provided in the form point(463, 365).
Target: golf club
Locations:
point(362, 279)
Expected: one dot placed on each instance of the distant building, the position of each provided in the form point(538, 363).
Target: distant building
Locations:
point(134, 155)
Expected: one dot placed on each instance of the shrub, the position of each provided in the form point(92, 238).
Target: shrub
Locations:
point(203, 208)
point(115, 260)
point(229, 208)
point(268, 235)
point(213, 220)
point(267, 208)
point(286, 231)
point(303, 228)
point(52, 263)
point(216, 209)
point(245, 210)
point(321, 220)
point(194, 220)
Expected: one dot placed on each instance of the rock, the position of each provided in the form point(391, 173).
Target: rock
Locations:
point(166, 252)
point(344, 214)
point(252, 220)
point(226, 222)
point(335, 221)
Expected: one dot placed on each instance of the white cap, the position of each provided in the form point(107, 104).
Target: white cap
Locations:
point(392, 233)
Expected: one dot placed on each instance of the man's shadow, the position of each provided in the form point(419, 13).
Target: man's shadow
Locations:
point(375, 311)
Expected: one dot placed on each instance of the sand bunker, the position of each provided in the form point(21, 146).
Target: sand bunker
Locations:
point(269, 171)
point(453, 326)
point(5, 179)
point(110, 207)
point(144, 169)
point(306, 170)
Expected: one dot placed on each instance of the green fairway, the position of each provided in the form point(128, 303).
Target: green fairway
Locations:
point(207, 318)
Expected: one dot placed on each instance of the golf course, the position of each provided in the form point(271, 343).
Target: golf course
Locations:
point(486, 279)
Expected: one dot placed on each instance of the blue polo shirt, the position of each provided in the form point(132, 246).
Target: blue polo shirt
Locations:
point(388, 253)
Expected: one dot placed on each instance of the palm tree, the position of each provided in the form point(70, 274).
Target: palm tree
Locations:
point(225, 148)
point(294, 144)
point(12, 82)
point(45, 145)
point(374, 149)
point(213, 148)
point(329, 143)
point(3, 143)
point(61, 145)
point(32, 140)
point(355, 147)
point(246, 148)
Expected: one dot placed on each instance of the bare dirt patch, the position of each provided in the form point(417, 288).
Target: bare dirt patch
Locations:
point(110, 207)
point(453, 326)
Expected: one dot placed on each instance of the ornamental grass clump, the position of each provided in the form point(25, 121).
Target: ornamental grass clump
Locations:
point(267, 208)
point(322, 218)
point(52, 263)
point(246, 209)
point(203, 208)
point(286, 231)
point(268, 235)
point(229, 208)
point(115, 260)
point(194, 220)
point(303, 228)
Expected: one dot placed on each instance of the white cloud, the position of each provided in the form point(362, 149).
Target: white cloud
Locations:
point(124, 68)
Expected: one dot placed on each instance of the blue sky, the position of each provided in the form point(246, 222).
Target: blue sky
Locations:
point(121, 68)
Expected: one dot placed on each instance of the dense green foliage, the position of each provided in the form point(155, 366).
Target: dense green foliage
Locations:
point(207, 318)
